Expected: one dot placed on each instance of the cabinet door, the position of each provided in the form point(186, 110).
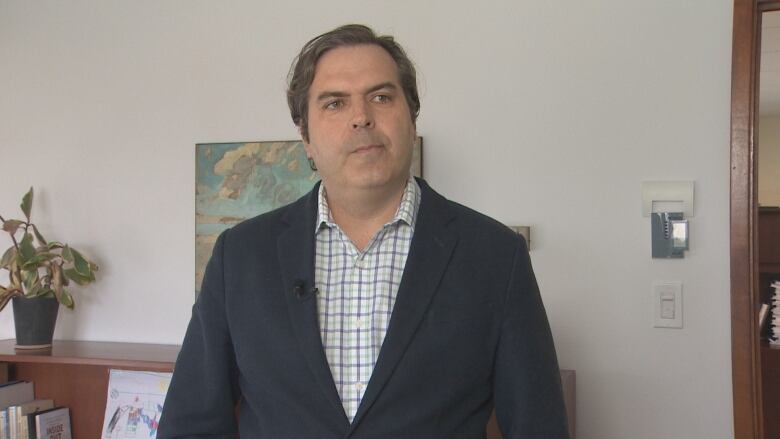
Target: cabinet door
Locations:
point(769, 237)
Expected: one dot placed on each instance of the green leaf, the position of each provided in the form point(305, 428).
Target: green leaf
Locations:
point(80, 263)
point(47, 293)
point(77, 277)
point(8, 258)
point(67, 254)
point(26, 249)
point(38, 236)
point(66, 299)
point(34, 291)
point(27, 203)
point(44, 292)
point(29, 280)
point(11, 226)
point(55, 245)
point(60, 280)
point(44, 249)
point(37, 260)
point(13, 277)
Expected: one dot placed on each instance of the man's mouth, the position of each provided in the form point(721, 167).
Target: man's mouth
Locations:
point(366, 148)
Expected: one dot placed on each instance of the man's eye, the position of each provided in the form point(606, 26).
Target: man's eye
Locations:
point(333, 105)
point(382, 99)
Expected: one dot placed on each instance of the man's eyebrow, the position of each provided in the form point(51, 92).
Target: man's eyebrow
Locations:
point(331, 94)
point(340, 94)
point(385, 85)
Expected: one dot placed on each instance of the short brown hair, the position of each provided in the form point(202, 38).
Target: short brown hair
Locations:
point(301, 74)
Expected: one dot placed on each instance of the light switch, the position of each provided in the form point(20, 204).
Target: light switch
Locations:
point(667, 304)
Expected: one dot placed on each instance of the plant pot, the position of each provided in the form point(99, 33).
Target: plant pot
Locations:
point(34, 320)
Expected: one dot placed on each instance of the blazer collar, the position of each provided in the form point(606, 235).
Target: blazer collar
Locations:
point(295, 248)
point(432, 244)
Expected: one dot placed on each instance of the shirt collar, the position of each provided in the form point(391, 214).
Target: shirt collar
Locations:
point(406, 212)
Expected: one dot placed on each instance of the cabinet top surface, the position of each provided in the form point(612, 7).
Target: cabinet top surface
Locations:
point(152, 356)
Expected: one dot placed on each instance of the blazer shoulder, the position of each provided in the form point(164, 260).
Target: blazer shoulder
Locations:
point(472, 224)
point(485, 227)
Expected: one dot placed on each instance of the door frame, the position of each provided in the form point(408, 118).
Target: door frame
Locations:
point(745, 345)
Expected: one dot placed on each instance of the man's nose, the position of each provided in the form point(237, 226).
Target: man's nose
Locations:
point(362, 117)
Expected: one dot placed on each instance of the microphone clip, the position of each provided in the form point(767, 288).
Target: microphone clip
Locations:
point(302, 293)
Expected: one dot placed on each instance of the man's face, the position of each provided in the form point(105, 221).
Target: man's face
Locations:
point(360, 129)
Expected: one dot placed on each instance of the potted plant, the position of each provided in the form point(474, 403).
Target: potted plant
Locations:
point(39, 273)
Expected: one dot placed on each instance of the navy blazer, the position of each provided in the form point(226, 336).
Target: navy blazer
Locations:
point(468, 332)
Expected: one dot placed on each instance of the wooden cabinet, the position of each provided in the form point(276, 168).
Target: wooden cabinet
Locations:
point(769, 271)
point(770, 379)
point(769, 240)
point(75, 374)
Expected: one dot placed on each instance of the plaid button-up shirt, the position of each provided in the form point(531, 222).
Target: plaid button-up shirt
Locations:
point(357, 292)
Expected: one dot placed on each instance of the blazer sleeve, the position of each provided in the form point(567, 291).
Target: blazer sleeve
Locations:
point(527, 383)
point(203, 392)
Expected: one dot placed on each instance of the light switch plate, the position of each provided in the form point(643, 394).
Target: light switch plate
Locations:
point(667, 304)
point(525, 231)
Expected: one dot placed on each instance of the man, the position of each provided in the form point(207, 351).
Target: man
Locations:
point(372, 307)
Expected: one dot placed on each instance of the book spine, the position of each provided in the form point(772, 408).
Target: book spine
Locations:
point(12, 422)
point(31, 426)
point(4, 424)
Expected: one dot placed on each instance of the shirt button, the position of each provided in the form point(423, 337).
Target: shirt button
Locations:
point(360, 263)
point(359, 323)
point(359, 387)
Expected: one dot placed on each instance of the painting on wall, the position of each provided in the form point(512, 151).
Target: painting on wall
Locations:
point(237, 181)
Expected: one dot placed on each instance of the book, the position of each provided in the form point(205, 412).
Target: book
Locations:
point(21, 412)
point(4, 424)
point(51, 424)
point(10, 430)
point(13, 393)
point(134, 403)
point(762, 313)
point(16, 392)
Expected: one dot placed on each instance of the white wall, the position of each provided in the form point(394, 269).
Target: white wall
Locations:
point(548, 114)
point(769, 160)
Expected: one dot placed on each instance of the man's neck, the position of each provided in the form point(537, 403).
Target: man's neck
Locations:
point(361, 213)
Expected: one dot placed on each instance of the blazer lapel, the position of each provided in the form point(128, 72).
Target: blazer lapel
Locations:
point(295, 247)
point(429, 255)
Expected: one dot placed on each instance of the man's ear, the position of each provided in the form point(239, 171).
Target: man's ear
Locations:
point(309, 155)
